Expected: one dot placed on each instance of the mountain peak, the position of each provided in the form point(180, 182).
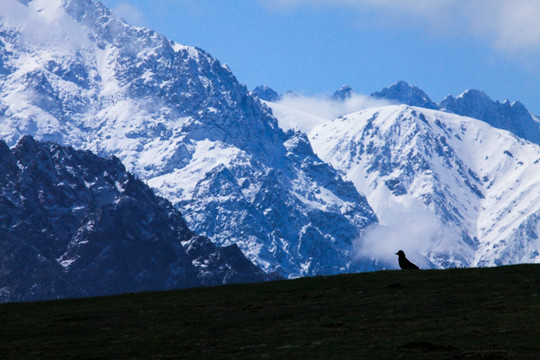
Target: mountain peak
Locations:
point(266, 93)
point(343, 93)
point(182, 122)
point(402, 84)
point(464, 103)
point(404, 93)
point(27, 142)
point(476, 96)
point(86, 11)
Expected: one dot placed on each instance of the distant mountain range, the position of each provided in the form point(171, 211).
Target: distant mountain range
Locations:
point(511, 116)
point(180, 121)
point(342, 198)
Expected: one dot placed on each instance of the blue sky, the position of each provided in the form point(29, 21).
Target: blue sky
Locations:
point(316, 46)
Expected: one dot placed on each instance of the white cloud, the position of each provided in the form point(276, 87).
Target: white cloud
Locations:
point(131, 14)
point(510, 25)
point(507, 25)
point(62, 31)
point(303, 113)
point(410, 227)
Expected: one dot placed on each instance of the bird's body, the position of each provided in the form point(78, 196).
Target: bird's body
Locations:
point(404, 263)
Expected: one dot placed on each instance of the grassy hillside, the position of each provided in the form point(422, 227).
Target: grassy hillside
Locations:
point(451, 314)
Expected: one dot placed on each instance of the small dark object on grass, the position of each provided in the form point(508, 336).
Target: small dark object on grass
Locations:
point(404, 263)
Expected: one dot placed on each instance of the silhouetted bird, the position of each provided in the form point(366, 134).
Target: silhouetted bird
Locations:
point(404, 263)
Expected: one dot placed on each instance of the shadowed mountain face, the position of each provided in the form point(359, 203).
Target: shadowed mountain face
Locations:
point(403, 93)
point(266, 93)
point(342, 94)
point(74, 224)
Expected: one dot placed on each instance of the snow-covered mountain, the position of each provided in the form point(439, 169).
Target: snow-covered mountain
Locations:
point(432, 183)
point(74, 224)
point(73, 73)
point(454, 189)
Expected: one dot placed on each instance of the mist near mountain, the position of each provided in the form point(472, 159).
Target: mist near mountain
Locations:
point(302, 112)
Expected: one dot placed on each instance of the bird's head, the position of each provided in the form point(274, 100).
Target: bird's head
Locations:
point(400, 253)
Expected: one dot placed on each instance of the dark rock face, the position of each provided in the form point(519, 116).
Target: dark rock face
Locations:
point(343, 94)
point(74, 224)
point(404, 93)
point(266, 93)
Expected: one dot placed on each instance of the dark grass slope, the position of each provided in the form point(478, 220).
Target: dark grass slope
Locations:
point(453, 314)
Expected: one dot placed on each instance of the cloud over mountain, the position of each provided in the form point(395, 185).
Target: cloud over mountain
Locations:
point(304, 112)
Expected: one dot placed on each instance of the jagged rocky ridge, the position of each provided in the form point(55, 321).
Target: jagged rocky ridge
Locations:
point(403, 93)
point(266, 93)
point(511, 116)
point(74, 224)
point(344, 93)
point(180, 120)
